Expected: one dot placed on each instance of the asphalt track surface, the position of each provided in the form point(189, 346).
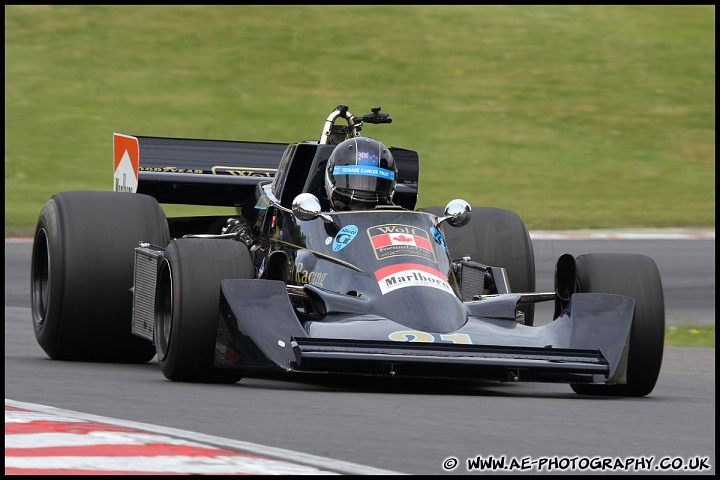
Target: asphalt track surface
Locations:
point(340, 425)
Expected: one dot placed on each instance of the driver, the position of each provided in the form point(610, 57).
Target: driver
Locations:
point(360, 174)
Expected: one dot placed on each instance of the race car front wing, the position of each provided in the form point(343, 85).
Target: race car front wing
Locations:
point(430, 359)
point(259, 329)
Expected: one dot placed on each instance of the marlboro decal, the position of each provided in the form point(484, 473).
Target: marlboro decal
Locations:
point(403, 275)
point(391, 240)
point(126, 156)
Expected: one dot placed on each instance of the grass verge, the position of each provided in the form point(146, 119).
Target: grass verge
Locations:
point(690, 336)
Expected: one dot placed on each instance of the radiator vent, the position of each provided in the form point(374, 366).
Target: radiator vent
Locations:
point(471, 279)
point(147, 264)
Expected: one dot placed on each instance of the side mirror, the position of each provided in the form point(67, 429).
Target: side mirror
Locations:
point(306, 206)
point(457, 213)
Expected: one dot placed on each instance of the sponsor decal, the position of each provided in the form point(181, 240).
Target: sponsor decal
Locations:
point(364, 170)
point(439, 238)
point(126, 161)
point(244, 171)
point(418, 336)
point(344, 237)
point(304, 276)
point(232, 171)
point(392, 240)
point(395, 277)
point(170, 170)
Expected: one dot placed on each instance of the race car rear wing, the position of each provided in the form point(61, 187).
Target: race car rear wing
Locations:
point(191, 171)
point(214, 172)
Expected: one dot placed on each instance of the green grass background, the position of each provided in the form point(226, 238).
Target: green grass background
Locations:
point(572, 116)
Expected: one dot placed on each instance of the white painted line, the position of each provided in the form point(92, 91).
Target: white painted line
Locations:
point(180, 464)
point(324, 465)
point(99, 437)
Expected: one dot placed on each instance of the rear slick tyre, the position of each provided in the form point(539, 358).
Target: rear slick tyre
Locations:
point(635, 276)
point(82, 269)
point(188, 305)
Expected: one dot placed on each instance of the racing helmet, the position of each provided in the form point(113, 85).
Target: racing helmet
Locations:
point(360, 174)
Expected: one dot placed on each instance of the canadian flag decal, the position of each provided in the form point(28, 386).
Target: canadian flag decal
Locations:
point(404, 240)
point(126, 163)
point(387, 239)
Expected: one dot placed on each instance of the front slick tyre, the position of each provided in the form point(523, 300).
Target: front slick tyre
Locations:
point(188, 305)
point(81, 276)
point(634, 276)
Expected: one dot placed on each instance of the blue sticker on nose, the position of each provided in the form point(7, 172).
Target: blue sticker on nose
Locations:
point(344, 236)
point(439, 238)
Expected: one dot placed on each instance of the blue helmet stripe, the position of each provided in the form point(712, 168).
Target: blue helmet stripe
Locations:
point(364, 170)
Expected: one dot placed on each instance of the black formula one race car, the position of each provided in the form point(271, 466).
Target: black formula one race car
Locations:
point(326, 267)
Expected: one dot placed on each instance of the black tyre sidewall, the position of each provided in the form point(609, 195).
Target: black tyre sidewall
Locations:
point(196, 267)
point(90, 238)
point(47, 287)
